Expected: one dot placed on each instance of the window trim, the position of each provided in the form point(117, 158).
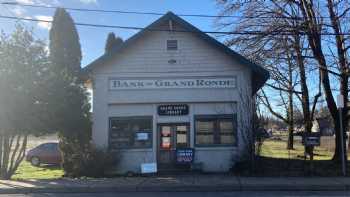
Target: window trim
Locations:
point(215, 134)
point(128, 118)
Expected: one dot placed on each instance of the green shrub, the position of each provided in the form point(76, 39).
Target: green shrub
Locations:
point(87, 161)
point(99, 162)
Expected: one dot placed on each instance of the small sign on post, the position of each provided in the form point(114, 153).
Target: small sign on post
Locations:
point(340, 101)
point(311, 139)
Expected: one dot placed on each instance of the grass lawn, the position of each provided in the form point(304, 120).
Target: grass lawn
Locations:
point(276, 160)
point(27, 171)
point(275, 147)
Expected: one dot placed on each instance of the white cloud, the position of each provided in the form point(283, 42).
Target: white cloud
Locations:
point(25, 1)
point(44, 25)
point(52, 2)
point(18, 11)
point(40, 2)
point(88, 1)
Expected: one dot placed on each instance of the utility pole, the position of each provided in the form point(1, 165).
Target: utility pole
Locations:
point(343, 146)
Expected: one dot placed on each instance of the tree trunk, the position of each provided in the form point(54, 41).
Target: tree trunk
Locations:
point(314, 37)
point(337, 157)
point(290, 114)
point(290, 142)
point(11, 156)
point(5, 158)
point(290, 145)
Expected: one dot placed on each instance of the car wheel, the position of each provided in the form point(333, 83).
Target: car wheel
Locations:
point(35, 161)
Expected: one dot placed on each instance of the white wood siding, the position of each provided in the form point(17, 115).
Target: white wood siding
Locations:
point(148, 58)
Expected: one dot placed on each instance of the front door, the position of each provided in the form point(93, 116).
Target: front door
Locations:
point(170, 137)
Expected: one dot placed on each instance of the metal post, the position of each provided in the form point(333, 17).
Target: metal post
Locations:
point(343, 146)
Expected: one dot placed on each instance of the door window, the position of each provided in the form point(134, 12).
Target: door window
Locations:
point(181, 136)
point(173, 136)
point(165, 137)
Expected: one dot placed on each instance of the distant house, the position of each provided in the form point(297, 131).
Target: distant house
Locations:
point(172, 87)
point(323, 125)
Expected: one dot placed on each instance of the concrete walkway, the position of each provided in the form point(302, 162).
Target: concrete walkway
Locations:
point(177, 183)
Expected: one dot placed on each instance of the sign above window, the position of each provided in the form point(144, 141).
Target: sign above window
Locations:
point(200, 82)
point(173, 110)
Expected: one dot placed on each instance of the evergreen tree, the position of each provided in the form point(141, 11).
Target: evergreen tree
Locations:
point(68, 97)
point(64, 43)
point(112, 42)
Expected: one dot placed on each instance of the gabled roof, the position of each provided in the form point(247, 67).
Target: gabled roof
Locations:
point(260, 74)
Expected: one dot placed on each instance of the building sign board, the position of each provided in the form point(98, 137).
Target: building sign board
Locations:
point(173, 110)
point(200, 82)
point(184, 155)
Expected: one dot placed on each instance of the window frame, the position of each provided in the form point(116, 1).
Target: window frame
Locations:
point(130, 118)
point(216, 133)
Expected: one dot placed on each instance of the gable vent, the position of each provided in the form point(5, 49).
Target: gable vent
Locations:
point(171, 44)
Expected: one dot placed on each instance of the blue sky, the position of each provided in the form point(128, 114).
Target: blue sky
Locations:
point(92, 40)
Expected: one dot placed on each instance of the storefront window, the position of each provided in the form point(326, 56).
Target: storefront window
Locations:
point(130, 132)
point(212, 130)
point(205, 131)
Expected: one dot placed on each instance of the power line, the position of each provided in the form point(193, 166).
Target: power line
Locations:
point(9, 12)
point(152, 13)
point(164, 30)
point(139, 13)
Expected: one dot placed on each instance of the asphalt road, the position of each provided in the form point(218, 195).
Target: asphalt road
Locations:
point(187, 194)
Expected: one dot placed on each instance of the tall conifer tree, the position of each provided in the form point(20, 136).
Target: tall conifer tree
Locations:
point(112, 42)
point(65, 49)
point(69, 101)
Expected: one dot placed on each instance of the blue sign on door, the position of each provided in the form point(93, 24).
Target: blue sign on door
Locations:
point(184, 155)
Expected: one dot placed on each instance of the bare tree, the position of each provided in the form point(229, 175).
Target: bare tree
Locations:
point(318, 33)
point(283, 82)
point(247, 126)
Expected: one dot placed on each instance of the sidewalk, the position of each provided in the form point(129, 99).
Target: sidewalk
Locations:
point(176, 183)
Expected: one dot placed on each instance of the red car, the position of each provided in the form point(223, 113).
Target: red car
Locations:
point(47, 153)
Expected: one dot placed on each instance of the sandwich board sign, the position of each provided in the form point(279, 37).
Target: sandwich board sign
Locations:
point(147, 168)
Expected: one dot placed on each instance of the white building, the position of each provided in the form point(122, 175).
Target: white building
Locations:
point(172, 87)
